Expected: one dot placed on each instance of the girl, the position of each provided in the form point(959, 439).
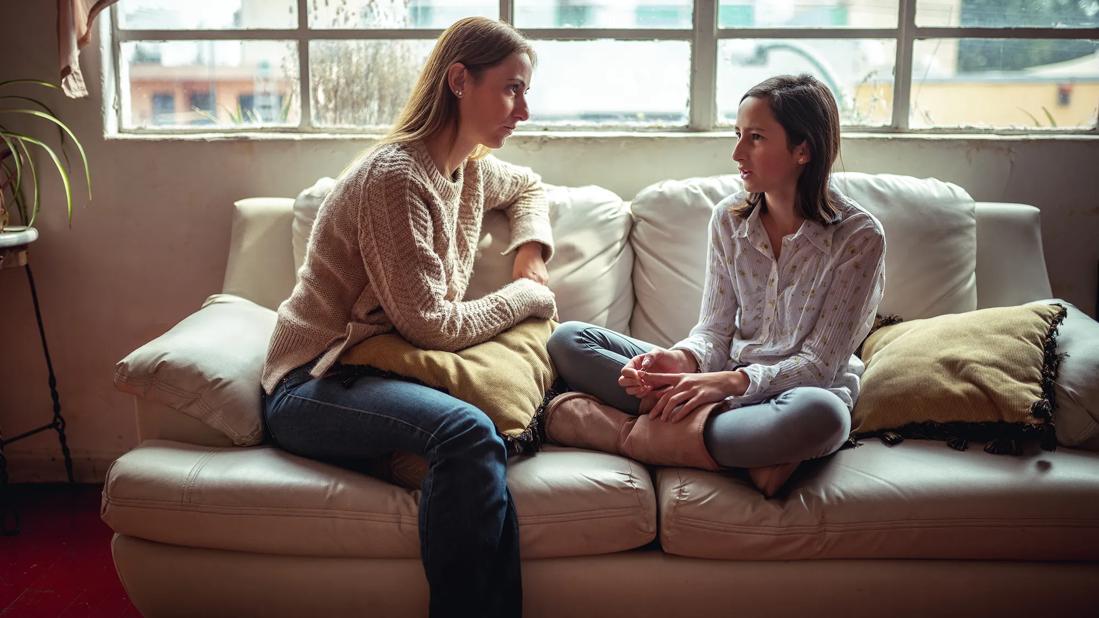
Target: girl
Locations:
point(793, 280)
point(392, 249)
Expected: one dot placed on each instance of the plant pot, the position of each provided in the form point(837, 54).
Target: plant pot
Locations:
point(17, 235)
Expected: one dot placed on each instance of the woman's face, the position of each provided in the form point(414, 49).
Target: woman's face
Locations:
point(492, 106)
point(767, 163)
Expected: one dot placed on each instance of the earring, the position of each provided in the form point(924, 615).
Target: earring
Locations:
point(458, 93)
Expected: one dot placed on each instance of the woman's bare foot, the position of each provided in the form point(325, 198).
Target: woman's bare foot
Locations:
point(769, 479)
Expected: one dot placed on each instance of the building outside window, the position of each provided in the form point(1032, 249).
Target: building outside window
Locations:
point(349, 65)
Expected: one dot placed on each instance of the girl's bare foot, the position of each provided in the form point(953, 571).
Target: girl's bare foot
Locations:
point(769, 479)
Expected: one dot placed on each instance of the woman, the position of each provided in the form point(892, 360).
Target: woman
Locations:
point(392, 249)
point(793, 280)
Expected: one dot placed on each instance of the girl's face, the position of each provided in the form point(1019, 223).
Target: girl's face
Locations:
point(766, 163)
point(492, 106)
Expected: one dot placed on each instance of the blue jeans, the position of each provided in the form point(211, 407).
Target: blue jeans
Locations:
point(802, 423)
point(469, 534)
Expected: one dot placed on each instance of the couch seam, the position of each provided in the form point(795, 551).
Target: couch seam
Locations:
point(632, 482)
point(616, 513)
point(775, 531)
point(192, 476)
point(231, 511)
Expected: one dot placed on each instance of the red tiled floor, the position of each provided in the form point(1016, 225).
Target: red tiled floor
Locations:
point(60, 563)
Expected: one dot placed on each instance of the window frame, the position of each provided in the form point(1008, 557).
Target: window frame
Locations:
point(703, 37)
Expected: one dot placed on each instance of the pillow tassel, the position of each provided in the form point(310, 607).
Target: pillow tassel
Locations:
point(890, 438)
point(1048, 437)
point(534, 436)
point(958, 443)
point(1003, 446)
point(1044, 408)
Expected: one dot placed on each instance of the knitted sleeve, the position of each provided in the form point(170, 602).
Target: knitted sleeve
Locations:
point(409, 277)
point(518, 191)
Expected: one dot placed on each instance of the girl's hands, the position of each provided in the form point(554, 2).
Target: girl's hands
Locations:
point(684, 393)
point(656, 360)
point(529, 264)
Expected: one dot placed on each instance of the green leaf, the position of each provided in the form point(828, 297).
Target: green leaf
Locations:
point(65, 127)
point(57, 163)
point(1032, 117)
point(17, 193)
point(14, 155)
point(29, 81)
point(46, 108)
point(29, 220)
point(1049, 116)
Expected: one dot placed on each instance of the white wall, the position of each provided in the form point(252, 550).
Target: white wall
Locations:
point(152, 244)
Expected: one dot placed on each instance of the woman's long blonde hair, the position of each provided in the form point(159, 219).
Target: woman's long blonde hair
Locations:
point(479, 43)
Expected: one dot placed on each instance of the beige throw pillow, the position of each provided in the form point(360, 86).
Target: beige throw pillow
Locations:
point(208, 367)
point(981, 375)
point(506, 377)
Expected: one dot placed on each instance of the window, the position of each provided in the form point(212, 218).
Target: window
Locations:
point(349, 65)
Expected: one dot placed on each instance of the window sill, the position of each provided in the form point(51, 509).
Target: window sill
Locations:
point(538, 136)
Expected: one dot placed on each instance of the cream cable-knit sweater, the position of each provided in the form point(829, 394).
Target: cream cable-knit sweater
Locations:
point(393, 248)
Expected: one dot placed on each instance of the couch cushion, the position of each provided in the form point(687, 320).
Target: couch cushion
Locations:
point(926, 217)
point(592, 261)
point(1076, 388)
point(207, 367)
point(671, 220)
point(918, 499)
point(261, 499)
point(923, 217)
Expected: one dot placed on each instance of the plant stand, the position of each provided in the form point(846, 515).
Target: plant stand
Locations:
point(13, 254)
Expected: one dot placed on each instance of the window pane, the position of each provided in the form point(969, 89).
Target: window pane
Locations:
point(603, 14)
point(363, 83)
point(808, 14)
point(222, 83)
point(207, 14)
point(1018, 13)
point(638, 83)
point(396, 13)
point(859, 72)
point(1018, 83)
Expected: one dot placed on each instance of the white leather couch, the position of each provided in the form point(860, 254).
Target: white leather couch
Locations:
point(207, 528)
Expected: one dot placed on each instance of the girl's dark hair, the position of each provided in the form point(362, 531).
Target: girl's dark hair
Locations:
point(807, 111)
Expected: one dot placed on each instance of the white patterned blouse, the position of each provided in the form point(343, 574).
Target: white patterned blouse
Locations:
point(792, 322)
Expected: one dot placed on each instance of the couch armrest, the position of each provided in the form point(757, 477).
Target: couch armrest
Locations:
point(1011, 265)
point(261, 251)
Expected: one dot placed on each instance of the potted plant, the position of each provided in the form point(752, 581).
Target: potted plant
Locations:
point(19, 175)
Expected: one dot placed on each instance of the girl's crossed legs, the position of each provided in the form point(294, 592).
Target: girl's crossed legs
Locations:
point(799, 424)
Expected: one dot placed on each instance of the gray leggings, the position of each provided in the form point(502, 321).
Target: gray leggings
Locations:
point(802, 423)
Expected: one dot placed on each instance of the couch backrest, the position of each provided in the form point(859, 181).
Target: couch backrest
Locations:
point(643, 276)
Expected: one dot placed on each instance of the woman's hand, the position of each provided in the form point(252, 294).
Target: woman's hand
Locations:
point(529, 264)
point(657, 360)
point(685, 392)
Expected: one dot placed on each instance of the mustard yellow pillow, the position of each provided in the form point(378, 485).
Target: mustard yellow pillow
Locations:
point(506, 377)
point(982, 375)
